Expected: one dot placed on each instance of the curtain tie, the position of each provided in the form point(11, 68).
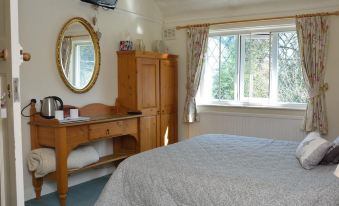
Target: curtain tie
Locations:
point(318, 91)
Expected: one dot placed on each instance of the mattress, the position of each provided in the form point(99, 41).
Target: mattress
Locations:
point(221, 170)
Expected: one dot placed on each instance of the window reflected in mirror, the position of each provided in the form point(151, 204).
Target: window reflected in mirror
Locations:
point(78, 55)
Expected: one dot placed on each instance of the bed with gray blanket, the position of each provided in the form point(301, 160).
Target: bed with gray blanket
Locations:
point(221, 170)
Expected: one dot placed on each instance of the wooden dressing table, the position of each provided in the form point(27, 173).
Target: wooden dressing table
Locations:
point(105, 123)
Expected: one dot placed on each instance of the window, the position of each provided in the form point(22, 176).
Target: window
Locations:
point(83, 58)
point(260, 69)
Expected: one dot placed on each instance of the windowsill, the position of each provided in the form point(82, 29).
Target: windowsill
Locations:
point(294, 107)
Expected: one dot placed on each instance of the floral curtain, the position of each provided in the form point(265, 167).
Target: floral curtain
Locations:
point(313, 40)
point(197, 38)
point(66, 53)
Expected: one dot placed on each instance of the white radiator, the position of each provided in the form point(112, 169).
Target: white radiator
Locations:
point(256, 125)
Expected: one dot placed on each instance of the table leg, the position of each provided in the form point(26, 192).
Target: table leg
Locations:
point(37, 183)
point(61, 164)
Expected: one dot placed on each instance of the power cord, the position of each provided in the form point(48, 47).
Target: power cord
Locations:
point(23, 109)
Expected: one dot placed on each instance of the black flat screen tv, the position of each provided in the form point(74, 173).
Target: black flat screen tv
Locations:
point(110, 4)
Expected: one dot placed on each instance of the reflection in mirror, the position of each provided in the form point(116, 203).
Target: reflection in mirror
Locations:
point(77, 56)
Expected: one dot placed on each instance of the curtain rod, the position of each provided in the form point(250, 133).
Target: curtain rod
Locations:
point(336, 13)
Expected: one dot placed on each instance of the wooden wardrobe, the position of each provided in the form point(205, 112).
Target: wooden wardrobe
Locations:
point(147, 82)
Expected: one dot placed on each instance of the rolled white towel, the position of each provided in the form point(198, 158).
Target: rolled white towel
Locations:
point(82, 156)
point(42, 161)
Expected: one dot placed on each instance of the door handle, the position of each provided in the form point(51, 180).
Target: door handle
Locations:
point(25, 56)
point(4, 54)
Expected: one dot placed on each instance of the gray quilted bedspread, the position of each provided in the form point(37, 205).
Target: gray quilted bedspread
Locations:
point(221, 170)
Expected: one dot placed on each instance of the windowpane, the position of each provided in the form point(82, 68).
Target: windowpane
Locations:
point(86, 63)
point(291, 86)
point(256, 66)
point(228, 68)
point(210, 84)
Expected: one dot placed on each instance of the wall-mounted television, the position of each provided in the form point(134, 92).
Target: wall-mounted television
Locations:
point(110, 4)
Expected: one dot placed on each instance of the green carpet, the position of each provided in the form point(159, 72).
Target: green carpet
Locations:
point(84, 194)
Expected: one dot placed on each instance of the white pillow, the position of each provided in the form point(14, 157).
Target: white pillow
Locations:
point(312, 150)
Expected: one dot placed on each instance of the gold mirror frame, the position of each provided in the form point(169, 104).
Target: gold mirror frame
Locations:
point(95, 40)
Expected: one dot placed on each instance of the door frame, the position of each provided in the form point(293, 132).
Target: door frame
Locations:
point(11, 127)
point(3, 198)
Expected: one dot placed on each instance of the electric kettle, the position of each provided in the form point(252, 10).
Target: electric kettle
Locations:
point(49, 105)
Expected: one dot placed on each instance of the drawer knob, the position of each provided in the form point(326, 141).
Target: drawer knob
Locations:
point(107, 132)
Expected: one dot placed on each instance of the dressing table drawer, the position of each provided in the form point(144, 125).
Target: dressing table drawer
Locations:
point(106, 129)
point(117, 128)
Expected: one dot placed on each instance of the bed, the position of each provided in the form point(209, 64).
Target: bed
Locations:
point(221, 170)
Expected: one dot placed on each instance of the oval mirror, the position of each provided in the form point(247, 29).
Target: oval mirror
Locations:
point(78, 55)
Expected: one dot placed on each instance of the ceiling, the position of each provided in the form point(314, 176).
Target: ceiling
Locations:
point(179, 7)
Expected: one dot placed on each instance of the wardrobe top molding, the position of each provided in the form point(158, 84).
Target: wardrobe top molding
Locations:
point(148, 54)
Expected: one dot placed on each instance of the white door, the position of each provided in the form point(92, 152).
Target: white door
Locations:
point(13, 191)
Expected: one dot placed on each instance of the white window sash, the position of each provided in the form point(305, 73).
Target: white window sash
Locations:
point(242, 69)
point(77, 66)
point(239, 99)
point(274, 69)
point(237, 78)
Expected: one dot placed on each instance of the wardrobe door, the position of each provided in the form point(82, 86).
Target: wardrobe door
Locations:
point(168, 134)
point(168, 102)
point(149, 132)
point(168, 86)
point(148, 86)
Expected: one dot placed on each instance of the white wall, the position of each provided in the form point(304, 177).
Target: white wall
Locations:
point(40, 23)
point(178, 46)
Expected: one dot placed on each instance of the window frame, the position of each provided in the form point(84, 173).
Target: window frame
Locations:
point(238, 83)
point(76, 60)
